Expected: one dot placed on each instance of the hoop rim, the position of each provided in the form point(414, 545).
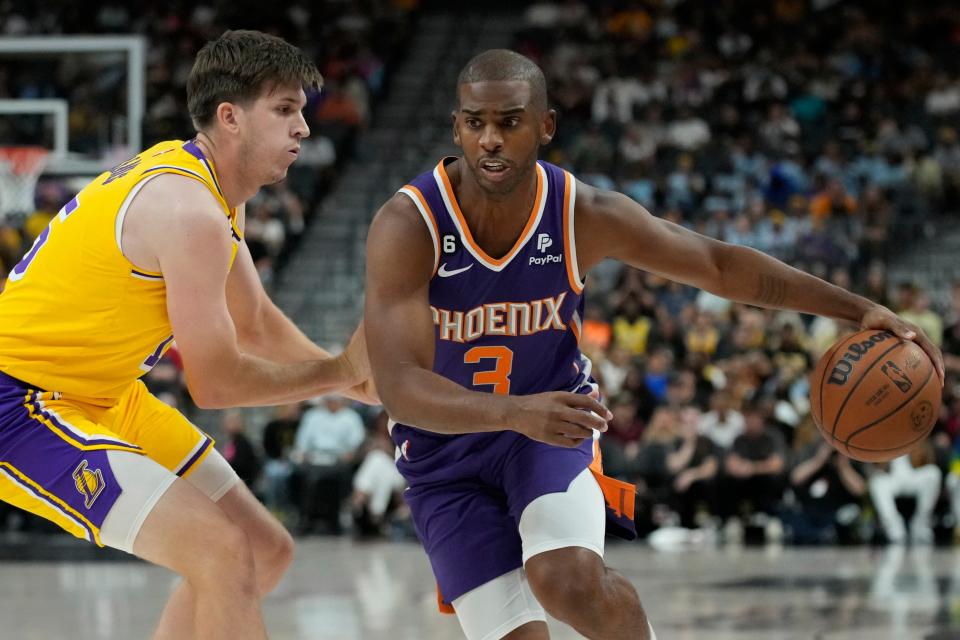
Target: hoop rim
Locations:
point(23, 160)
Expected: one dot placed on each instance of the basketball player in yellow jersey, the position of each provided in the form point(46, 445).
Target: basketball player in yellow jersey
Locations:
point(149, 252)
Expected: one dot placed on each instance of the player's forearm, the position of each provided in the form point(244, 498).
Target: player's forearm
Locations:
point(749, 276)
point(423, 399)
point(278, 339)
point(254, 381)
point(275, 337)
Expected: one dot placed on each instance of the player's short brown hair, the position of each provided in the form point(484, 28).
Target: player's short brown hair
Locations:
point(240, 66)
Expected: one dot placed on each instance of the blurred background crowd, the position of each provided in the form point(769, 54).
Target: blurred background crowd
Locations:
point(822, 132)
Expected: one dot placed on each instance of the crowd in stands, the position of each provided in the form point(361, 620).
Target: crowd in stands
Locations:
point(355, 46)
point(824, 133)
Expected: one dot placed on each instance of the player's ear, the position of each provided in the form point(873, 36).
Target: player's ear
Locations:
point(548, 127)
point(456, 129)
point(227, 116)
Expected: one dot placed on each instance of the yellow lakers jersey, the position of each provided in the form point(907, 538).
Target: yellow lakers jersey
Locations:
point(78, 317)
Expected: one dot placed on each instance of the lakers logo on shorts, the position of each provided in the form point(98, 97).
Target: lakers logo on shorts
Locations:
point(89, 483)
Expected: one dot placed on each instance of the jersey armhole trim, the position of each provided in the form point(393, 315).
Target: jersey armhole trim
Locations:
point(414, 194)
point(569, 237)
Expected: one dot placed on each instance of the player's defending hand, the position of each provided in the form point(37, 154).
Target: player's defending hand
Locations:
point(559, 418)
point(355, 357)
point(357, 363)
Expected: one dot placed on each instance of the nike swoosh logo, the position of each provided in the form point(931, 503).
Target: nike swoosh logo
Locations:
point(444, 273)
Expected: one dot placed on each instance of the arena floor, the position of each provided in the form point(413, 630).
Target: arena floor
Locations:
point(728, 593)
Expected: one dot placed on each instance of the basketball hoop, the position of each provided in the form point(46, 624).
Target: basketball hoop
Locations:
point(20, 167)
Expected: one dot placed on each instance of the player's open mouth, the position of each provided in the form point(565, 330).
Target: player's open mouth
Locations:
point(494, 170)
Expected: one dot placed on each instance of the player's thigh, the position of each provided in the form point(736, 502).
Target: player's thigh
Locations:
point(169, 438)
point(188, 533)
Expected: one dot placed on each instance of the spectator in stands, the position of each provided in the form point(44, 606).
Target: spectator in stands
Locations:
point(278, 438)
point(238, 450)
point(620, 446)
point(754, 468)
point(325, 451)
point(377, 485)
point(920, 313)
point(913, 475)
point(829, 488)
point(723, 423)
point(694, 463)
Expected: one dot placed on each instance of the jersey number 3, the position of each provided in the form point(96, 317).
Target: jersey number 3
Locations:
point(499, 376)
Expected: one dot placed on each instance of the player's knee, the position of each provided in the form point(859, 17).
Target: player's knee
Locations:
point(567, 582)
point(227, 556)
point(274, 558)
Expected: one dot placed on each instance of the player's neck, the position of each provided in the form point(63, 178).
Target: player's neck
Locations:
point(481, 207)
point(236, 190)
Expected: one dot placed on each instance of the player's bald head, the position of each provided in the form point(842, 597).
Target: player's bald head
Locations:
point(500, 65)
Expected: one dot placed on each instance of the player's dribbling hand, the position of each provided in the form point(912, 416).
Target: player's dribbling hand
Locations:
point(879, 317)
point(559, 418)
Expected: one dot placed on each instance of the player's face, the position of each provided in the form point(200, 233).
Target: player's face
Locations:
point(500, 130)
point(271, 141)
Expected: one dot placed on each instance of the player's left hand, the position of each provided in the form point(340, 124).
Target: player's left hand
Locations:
point(879, 317)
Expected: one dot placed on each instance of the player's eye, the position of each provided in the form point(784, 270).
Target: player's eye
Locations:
point(511, 122)
point(473, 123)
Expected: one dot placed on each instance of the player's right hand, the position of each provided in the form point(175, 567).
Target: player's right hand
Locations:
point(559, 418)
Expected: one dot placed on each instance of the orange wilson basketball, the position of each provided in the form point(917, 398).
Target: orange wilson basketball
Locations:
point(874, 396)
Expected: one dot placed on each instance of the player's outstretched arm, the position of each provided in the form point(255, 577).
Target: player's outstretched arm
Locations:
point(265, 331)
point(400, 337)
point(189, 236)
point(611, 225)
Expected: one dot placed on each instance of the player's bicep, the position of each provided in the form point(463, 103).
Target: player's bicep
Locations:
point(398, 320)
point(194, 255)
point(622, 229)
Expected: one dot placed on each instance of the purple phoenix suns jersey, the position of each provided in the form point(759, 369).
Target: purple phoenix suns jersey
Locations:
point(506, 325)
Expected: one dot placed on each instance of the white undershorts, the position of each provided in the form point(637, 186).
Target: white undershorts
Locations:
point(144, 481)
point(574, 518)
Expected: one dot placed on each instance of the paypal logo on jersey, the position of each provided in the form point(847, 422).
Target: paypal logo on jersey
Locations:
point(544, 242)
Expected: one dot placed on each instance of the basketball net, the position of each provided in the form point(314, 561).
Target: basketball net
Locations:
point(20, 167)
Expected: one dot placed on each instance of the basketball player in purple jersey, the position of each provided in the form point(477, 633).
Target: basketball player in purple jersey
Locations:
point(473, 311)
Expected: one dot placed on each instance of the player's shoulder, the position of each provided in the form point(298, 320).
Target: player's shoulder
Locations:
point(171, 203)
point(399, 213)
point(399, 227)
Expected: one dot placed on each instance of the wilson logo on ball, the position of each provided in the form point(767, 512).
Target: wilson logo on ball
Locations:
point(841, 370)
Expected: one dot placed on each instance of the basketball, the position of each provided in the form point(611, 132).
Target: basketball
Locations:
point(874, 396)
